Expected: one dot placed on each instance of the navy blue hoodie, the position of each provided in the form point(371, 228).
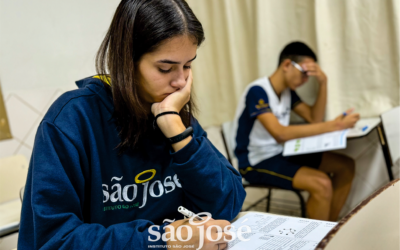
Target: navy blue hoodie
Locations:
point(80, 194)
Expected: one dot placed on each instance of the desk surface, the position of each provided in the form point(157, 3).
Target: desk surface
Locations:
point(371, 123)
point(374, 224)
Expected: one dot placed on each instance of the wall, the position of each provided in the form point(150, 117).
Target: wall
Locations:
point(50, 44)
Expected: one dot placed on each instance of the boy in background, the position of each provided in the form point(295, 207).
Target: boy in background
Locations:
point(262, 125)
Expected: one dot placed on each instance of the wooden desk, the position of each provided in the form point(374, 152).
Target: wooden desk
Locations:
point(372, 225)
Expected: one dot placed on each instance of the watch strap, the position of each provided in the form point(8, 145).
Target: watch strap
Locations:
point(181, 136)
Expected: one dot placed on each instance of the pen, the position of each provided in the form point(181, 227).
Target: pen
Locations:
point(188, 213)
point(364, 128)
point(344, 115)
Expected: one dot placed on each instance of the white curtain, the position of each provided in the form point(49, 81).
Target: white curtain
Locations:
point(357, 43)
point(227, 60)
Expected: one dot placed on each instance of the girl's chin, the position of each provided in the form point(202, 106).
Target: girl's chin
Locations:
point(159, 99)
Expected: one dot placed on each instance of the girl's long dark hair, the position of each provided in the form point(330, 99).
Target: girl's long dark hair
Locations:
point(139, 27)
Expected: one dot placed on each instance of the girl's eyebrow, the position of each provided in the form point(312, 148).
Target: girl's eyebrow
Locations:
point(172, 62)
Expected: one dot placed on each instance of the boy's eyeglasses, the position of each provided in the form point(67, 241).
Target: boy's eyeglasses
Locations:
point(297, 66)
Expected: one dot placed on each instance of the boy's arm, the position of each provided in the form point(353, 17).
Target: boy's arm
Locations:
point(284, 133)
point(315, 113)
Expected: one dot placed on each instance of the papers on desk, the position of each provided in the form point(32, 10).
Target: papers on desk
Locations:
point(318, 143)
point(363, 127)
point(269, 231)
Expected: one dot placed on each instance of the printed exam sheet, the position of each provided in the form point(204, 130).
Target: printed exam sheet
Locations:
point(275, 232)
point(317, 143)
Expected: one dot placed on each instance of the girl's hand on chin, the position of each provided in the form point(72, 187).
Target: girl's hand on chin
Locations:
point(176, 100)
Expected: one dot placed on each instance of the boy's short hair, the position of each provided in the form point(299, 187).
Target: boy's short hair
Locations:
point(295, 51)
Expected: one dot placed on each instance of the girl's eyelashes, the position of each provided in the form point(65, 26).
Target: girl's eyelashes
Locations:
point(169, 70)
point(165, 71)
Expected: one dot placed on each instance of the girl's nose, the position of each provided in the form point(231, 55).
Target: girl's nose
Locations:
point(179, 80)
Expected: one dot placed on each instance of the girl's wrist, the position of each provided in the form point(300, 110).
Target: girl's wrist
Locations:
point(170, 125)
point(164, 109)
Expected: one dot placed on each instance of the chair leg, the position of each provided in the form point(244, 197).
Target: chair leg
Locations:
point(302, 204)
point(268, 199)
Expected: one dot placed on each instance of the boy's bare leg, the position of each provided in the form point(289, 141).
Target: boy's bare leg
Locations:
point(319, 185)
point(343, 169)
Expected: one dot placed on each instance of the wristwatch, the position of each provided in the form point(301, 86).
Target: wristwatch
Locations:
point(185, 134)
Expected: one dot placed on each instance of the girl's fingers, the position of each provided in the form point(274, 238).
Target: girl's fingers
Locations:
point(222, 246)
point(225, 237)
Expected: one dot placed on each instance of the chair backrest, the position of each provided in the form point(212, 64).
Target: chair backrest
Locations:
point(227, 132)
point(391, 124)
point(21, 193)
point(13, 172)
point(229, 138)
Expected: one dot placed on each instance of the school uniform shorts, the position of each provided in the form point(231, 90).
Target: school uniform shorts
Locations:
point(280, 170)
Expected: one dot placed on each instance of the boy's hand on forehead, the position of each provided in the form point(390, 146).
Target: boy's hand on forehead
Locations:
point(313, 69)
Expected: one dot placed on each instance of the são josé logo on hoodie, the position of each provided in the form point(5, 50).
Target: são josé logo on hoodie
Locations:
point(129, 193)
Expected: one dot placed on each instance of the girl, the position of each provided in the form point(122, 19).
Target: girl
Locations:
point(123, 152)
